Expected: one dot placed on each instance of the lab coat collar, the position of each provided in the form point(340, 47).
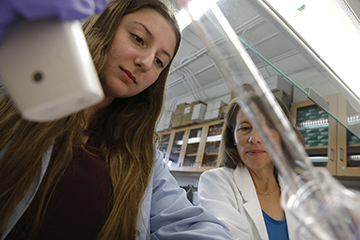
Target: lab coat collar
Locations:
point(251, 202)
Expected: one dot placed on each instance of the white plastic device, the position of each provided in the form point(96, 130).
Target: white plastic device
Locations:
point(46, 67)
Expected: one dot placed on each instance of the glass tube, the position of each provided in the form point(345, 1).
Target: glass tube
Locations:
point(325, 208)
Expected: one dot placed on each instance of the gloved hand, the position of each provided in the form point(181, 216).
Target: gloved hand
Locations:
point(10, 10)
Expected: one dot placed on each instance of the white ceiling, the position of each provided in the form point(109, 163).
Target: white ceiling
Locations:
point(194, 76)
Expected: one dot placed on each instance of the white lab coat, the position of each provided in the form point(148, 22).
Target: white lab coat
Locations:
point(231, 196)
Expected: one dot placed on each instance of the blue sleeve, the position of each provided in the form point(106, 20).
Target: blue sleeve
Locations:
point(173, 217)
point(10, 10)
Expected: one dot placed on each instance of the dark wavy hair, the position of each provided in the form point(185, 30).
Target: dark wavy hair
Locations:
point(228, 154)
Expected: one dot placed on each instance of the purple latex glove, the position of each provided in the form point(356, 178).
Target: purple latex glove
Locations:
point(10, 10)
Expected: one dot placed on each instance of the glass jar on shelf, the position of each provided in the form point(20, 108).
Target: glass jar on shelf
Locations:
point(192, 146)
point(313, 123)
point(164, 144)
point(353, 150)
point(212, 145)
point(176, 149)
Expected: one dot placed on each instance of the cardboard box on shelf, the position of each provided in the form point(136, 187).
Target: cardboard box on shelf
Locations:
point(178, 114)
point(207, 116)
point(213, 115)
point(188, 110)
point(218, 104)
point(176, 122)
point(210, 107)
point(184, 112)
point(198, 113)
point(213, 110)
point(185, 120)
point(180, 108)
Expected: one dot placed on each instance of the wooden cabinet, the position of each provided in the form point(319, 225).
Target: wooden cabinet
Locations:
point(327, 142)
point(193, 148)
point(348, 145)
point(164, 143)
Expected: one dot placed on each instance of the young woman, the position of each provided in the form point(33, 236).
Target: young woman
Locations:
point(96, 174)
point(245, 193)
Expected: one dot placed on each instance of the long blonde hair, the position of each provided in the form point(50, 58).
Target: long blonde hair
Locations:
point(126, 128)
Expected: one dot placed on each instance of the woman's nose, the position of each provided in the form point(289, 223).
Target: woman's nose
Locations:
point(145, 61)
point(254, 137)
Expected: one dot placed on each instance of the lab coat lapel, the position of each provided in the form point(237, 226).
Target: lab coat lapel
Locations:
point(291, 221)
point(251, 203)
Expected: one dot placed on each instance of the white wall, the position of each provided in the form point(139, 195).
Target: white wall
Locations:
point(186, 179)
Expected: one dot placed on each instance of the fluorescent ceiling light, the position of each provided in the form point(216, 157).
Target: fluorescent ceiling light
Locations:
point(330, 31)
point(183, 19)
point(197, 8)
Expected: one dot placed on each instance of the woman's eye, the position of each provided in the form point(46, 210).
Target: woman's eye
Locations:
point(159, 63)
point(270, 125)
point(137, 38)
point(244, 129)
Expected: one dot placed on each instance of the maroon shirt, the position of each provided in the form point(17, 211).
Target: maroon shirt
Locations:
point(79, 205)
